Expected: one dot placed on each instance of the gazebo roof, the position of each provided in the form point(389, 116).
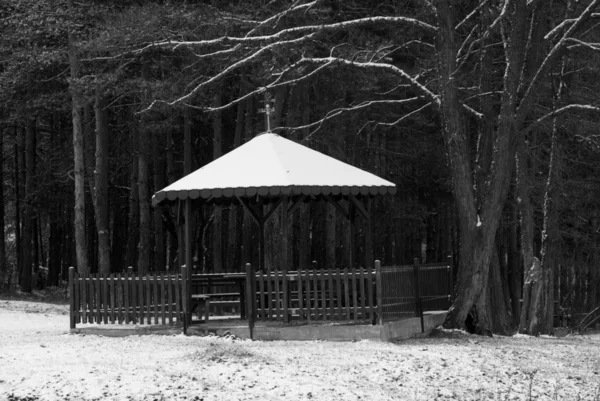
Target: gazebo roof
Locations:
point(270, 165)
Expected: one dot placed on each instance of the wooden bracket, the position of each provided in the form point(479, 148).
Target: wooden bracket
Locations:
point(296, 204)
point(255, 215)
point(338, 206)
point(359, 206)
point(273, 209)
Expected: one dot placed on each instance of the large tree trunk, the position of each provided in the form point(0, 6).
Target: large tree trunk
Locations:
point(26, 283)
point(479, 211)
point(159, 230)
point(3, 266)
point(144, 201)
point(100, 184)
point(18, 214)
point(537, 313)
point(144, 141)
point(78, 157)
point(514, 265)
point(172, 238)
point(134, 204)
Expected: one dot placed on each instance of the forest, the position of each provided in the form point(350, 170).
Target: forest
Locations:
point(483, 113)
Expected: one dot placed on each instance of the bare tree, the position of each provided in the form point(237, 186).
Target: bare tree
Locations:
point(458, 44)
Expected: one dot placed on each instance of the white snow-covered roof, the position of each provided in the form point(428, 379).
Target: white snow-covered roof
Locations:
point(270, 165)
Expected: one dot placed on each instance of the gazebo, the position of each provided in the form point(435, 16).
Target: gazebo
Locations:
point(269, 172)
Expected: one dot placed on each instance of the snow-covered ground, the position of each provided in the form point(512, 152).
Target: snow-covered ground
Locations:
point(40, 360)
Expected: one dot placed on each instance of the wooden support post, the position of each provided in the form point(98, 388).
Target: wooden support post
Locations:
point(379, 292)
point(72, 279)
point(368, 236)
point(184, 297)
point(189, 230)
point(352, 219)
point(180, 235)
point(284, 256)
point(250, 297)
point(418, 306)
point(261, 236)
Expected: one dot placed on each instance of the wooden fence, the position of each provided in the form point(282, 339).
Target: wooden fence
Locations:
point(380, 294)
point(313, 295)
point(126, 298)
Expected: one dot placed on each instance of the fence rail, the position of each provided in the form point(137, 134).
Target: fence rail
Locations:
point(386, 293)
point(313, 295)
point(382, 294)
point(125, 299)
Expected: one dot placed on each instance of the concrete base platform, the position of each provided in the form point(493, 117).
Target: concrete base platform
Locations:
point(337, 331)
point(124, 330)
point(266, 331)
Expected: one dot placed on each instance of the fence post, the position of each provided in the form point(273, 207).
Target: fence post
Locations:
point(250, 297)
point(72, 296)
point(418, 306)
point(450, 281)
point(379, 292)
point(184, 297)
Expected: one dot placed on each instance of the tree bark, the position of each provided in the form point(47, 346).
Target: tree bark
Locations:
point(99, 183)
point(78, 157)
point(472, 307)
point(159, 230)
point(537, 313)
point(26, 284)
point(18, 213)
point(133, 217)
point(3, 266)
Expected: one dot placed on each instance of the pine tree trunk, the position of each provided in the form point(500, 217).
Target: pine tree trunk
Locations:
point(172, 238)
point(144, 202)
point(26, 284)
point(144, 140)
point(159, 230)
point(100, 184)
point(134, 205)
point(3, 266)
point(18, 212)
point(78, 157)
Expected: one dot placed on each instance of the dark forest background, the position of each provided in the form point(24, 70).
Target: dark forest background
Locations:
point(131, 85)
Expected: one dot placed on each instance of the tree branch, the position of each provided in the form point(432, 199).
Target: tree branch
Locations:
point(564, 109)
point(553, 53)
point(231, 68)
point(382, 66)
point(292, 8)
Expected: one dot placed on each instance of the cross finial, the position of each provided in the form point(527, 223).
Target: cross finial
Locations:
point(268, 110)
